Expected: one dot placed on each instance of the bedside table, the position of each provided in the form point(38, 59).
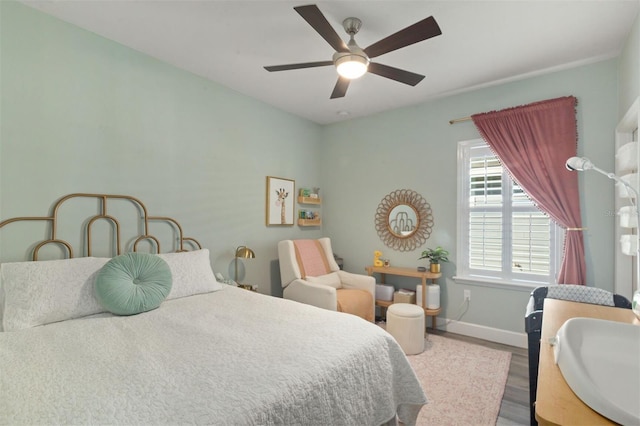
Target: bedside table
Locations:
point(248, 287)
point(407, 272)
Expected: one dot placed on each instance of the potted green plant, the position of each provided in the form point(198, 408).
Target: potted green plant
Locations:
point(435, 256)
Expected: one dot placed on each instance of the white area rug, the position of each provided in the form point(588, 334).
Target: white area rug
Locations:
point(464, 382)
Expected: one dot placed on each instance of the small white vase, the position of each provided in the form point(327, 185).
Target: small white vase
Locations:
point(635, 303)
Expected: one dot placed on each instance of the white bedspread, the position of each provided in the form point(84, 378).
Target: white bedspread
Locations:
point(232, 357)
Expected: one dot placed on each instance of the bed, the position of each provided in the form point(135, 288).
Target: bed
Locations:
point(210, 353)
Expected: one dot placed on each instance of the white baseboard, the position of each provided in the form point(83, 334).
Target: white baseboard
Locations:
point(482, 332)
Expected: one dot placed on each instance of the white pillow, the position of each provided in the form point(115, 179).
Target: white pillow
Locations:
point(37, 293)
point(191, 273)
point(332, 280)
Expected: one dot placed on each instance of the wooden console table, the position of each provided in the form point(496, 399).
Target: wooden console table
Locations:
point(556, 404)
point(407, 272)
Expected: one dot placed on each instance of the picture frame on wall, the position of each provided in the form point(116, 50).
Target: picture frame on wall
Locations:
point(280, 201)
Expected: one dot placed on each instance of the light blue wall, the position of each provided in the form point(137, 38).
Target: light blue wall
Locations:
point(415, 148)
point(81, 113)
point(629, 70)
point(84, 114)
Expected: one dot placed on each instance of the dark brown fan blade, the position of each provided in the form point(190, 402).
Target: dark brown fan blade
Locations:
point(341, 88)
point(316, 19)
point(298, 66)
point(396, 74)
point(419, 31)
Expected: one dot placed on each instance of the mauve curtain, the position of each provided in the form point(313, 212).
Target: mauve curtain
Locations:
point(533, 142)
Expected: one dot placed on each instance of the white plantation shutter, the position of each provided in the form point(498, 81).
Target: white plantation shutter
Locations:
point(502, 236)
point(531, 238)
point(485, 212)
point(485, 240)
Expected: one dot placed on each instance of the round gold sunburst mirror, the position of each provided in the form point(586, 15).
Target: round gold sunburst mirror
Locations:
point(404, 220)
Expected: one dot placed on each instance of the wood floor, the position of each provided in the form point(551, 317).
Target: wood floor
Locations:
point(515, 402)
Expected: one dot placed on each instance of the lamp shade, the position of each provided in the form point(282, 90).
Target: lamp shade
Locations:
point(579, 164)
point(245, 253)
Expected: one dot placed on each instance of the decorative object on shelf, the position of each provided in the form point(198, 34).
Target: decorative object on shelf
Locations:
point(626, 157)
point(629, 244)
point(628, 217)
point(242, 252)
point(309, 193)
point(376, 258)
point(404, 296)
point(308, 218)
point(280, 207)
point(403, 220)
point(435, 256)
point(387, 263)
point(384, 292)
point(422, 269)
point(308, 214)
point(304, 192)
point(432, 298)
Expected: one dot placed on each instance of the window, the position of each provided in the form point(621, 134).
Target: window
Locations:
point(502, 236)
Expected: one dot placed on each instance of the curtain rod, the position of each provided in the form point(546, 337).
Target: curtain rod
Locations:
point(458, 120)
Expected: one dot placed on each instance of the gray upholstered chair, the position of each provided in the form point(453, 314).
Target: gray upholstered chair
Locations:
point(310, 274)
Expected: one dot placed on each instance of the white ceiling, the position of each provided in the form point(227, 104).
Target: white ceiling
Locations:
point(482, 43)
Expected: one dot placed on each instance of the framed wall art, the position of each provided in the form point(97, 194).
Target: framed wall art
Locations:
point(281, 194)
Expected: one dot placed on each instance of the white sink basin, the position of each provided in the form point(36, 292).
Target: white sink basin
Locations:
point(600, 361)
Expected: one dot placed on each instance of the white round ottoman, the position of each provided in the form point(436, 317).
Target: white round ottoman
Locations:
point(405, 322)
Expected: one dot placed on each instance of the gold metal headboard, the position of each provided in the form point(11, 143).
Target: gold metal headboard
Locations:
point(103, 214)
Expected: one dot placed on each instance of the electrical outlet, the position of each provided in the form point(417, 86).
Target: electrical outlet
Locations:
point(467, 295)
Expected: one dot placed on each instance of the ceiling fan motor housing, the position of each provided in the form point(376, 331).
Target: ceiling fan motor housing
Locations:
point(352, 25)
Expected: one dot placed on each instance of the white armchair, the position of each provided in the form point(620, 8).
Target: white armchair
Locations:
point(310, 274)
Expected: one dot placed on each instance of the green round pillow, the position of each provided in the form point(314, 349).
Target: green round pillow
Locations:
point(133, 283)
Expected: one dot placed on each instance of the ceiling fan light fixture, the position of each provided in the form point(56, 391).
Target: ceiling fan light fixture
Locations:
point(352, 66)
point(350, 60)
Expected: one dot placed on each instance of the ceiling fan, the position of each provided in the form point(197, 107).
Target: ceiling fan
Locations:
point(350, 60)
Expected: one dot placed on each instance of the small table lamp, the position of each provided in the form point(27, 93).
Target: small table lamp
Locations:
point(243, 252)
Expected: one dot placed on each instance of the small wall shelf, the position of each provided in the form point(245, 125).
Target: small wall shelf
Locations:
point(309, 222)
point(309, 200)
point(309, 216)
point(627, 160)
